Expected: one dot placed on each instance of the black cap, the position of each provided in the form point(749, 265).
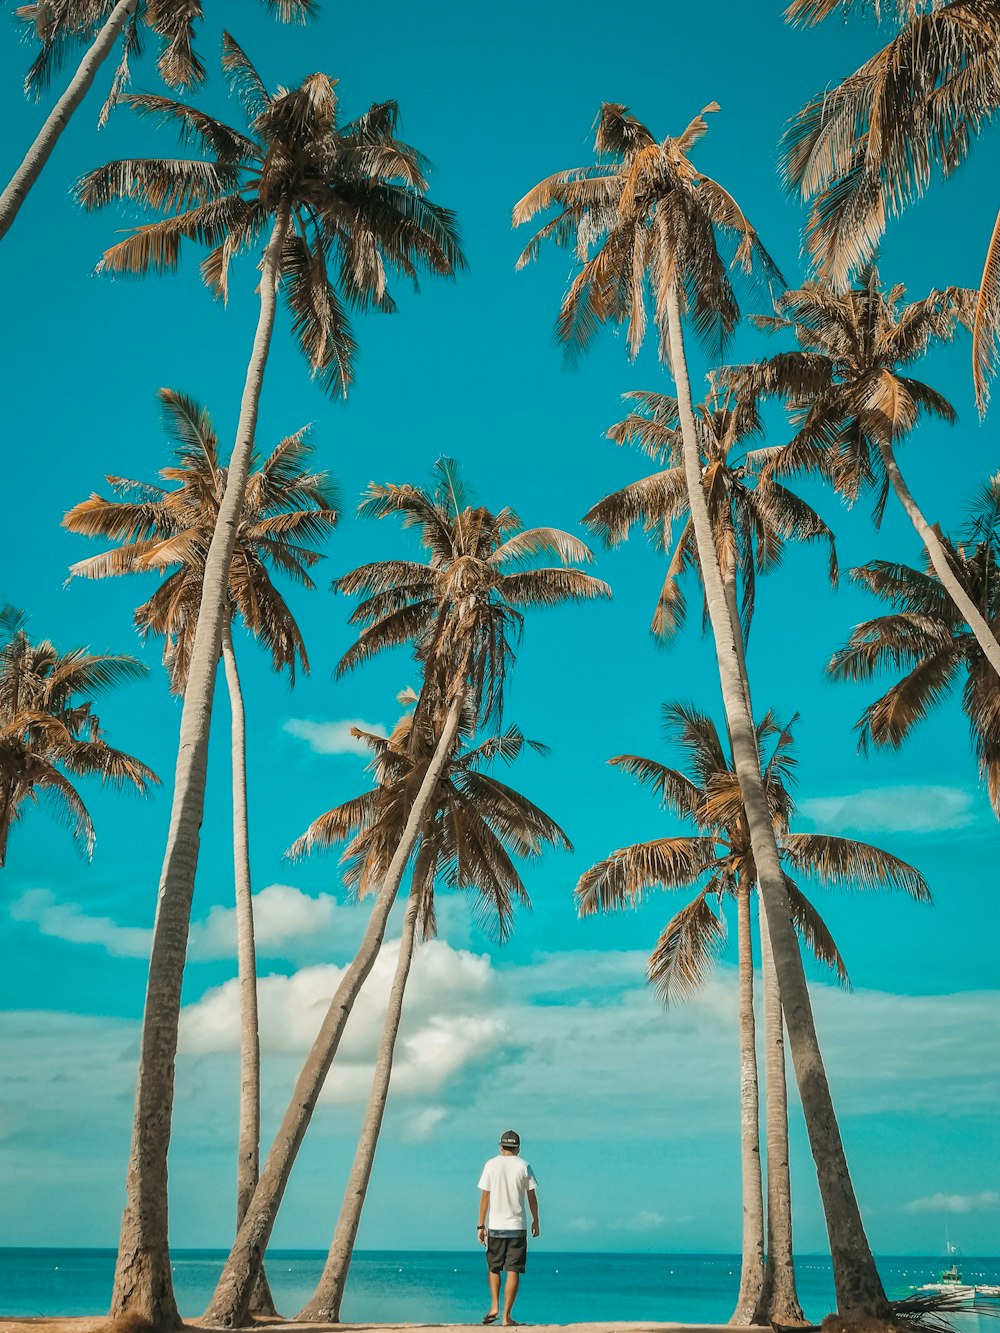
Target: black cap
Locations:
point(510, 1139)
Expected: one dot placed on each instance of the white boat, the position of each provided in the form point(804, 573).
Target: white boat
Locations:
point(952, 1286)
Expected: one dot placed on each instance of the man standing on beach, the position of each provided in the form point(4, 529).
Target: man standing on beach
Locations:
point(506, 1184)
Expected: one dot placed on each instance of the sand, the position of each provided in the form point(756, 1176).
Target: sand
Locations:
point(98, 1323)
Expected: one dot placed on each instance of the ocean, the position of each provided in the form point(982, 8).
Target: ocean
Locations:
point(449, 1288)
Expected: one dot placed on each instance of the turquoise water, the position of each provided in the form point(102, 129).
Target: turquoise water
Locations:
point(444, 1287)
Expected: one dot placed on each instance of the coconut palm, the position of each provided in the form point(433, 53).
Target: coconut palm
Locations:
point(346, 195)
point(461, 612)
point(752, 514)
point(925, 638)
point(861, 151)
point(852, 405)
point(647, 227)
point(169, 530)
point(59, 25)
point(475, 826)
point(752, 517)
point(718, 859)
point(50, 734)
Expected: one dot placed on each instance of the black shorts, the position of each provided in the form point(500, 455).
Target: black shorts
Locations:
point(507, 1253)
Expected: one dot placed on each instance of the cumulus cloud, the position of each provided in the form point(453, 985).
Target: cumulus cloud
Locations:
point(642, 1221)
point(332, 737)
point(907, 809)
point(420, 1127)
point(986, 1201)
point(286, 922)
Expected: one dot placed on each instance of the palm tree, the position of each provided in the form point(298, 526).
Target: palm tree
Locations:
point(170, 530)
point(655, 224)
point(860, 152)
point(719, 860)
point(348, 194)
point(462, 612)
point(50, 734)
point(59, 24)
point(852, 405)
point(752, 517)
point(924, 637)
point(474, 826)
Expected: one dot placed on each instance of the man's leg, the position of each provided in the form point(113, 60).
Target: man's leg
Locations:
point(494, 1293)
point(510, 1296)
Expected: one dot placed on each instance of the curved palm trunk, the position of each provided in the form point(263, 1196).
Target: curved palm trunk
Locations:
point(324, 1305)
point(248, 1147)
point(935, 549)
point(752, 1266)
point(859, 1290)
point(778, 1300)
point(48, 136)
point(231, 1300)
point(143, 1291)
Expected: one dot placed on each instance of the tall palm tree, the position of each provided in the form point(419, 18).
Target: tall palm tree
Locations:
point(655, 225)
point(49, 732)
point(852, 405)
point(752, 518)
point(924, 637)
point(347, 195)
point(461, 611)
point(861, 151)
point(719, 860)
point(169, 530)
point(57, 25)
point(475, 826)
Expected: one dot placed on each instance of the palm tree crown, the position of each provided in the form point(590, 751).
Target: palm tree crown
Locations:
point(462, 609)
point(49, 732)
point(844, 385)
point(926, 639)
point(752, 514)
point(346, 195)
point(720, 857)
point(287, 505)
point(644, 222)
point(469, 836)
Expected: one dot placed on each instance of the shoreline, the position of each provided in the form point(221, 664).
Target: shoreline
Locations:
point(97, 1323)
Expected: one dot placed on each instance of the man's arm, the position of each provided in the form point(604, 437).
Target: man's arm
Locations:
point(484, 1206)
point(533, 1205)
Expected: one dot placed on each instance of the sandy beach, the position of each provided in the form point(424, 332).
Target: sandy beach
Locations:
point(96, 1323)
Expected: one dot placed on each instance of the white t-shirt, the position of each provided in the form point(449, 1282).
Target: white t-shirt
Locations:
point(508, 1180)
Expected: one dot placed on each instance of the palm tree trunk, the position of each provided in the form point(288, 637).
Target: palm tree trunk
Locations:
point(324, 1305)
point(859, 1290)
point(778, 1300)
point(231, 1299)
point(752, 1265)
point(48, 136)
point(940, 563)
point(143, 1292)
point(248, 1147)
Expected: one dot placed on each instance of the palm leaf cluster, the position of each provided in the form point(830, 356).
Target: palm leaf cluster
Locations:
point(718, 858)
point(643, 222)
point(753, 515)
point(169, 530)
point(349, 197)
point(50, 734)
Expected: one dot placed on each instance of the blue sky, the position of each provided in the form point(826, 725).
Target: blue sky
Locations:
point(628, 1113)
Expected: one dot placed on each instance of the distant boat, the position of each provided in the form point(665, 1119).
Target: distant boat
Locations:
point(952, 1285)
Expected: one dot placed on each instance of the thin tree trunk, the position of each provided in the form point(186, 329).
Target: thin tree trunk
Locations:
point(752, 1264)
point(248, 1147)
point(231, 1299)
point(143, 1292)
point(942, 566)
point(324, 1305)
point(778, 1300)
point(48, 136)
point(859, 1290)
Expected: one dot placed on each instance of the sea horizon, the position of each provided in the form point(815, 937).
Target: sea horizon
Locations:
point(449, 1286)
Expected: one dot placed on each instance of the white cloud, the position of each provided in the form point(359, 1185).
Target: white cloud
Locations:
point(642, 1221)
point(420, 1127)
point(908, 809)
point(332, 737)
point(987, 1201)
point(286, 922)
